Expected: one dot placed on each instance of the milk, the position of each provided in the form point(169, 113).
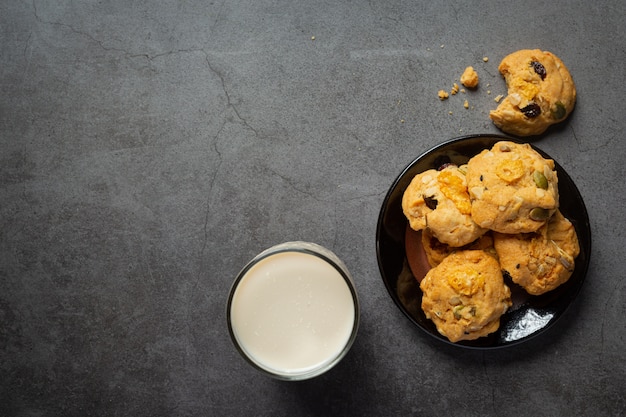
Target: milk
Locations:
point(293, 313)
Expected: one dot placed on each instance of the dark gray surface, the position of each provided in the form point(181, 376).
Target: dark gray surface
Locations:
point(149, 149)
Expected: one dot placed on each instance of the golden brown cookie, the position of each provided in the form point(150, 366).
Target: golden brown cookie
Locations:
point(513, 189)
point(440, 201)
point(465, 295)
point(436, 251)
point(540, 261)
point(541, 92)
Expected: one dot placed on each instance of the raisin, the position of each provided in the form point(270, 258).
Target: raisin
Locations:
point(532, 110)
point(431, 202)
point(442, 161)
point(539, 69)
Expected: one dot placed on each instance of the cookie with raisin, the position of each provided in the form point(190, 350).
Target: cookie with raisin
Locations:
point(541, 92)
point(439, 200)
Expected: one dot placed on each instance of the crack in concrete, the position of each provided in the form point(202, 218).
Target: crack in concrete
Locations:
point(597, 143)
point(207, 214)
point(162, 54)
point(207, 217)
point(102, 45)
point(229, 102)
point(74, 30)
point(151, 57)
point(606, 309)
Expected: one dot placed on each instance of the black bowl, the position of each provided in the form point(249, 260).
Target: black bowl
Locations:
point(530, 315)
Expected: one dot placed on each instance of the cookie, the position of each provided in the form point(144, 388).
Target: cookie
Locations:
point(436, 251)
point(465, 295)
point(541, 92)
point(541, 261)
point(439, 200)
point(513, 189)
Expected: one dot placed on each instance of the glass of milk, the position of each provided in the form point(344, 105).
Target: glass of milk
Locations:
point(293, 311)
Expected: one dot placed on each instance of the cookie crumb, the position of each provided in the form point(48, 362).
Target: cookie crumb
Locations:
point(469, 78)
point(443, 95)
point(463, 90)
point(312, 38)
point(488, 92)
point(498, 98)
point(485, 59)
point(466, 104)
point(455, 89)
point(450, 112)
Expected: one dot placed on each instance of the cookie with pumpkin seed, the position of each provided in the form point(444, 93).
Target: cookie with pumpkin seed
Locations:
point(439, 200)
point(513, 189)
point(541, 93)
point(465, 295)
point(540, 261)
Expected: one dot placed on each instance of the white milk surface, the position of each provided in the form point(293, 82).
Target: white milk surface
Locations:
point(292, 312)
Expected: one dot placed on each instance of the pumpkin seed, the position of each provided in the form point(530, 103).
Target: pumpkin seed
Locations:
point(540, 180)
point(539, 214)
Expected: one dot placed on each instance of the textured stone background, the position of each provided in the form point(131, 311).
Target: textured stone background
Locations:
point(149, 149)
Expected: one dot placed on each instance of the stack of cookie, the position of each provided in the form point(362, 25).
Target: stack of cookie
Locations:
point(493, 217)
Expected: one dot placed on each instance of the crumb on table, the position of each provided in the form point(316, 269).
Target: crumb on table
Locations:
point(469, 78)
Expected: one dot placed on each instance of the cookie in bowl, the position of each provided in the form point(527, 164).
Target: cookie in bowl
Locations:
point(513, 189)
point(436, 251)
point(439, 200)
point(465, 295)
point(541, 261)
point(404, 264)
point(541, 92)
